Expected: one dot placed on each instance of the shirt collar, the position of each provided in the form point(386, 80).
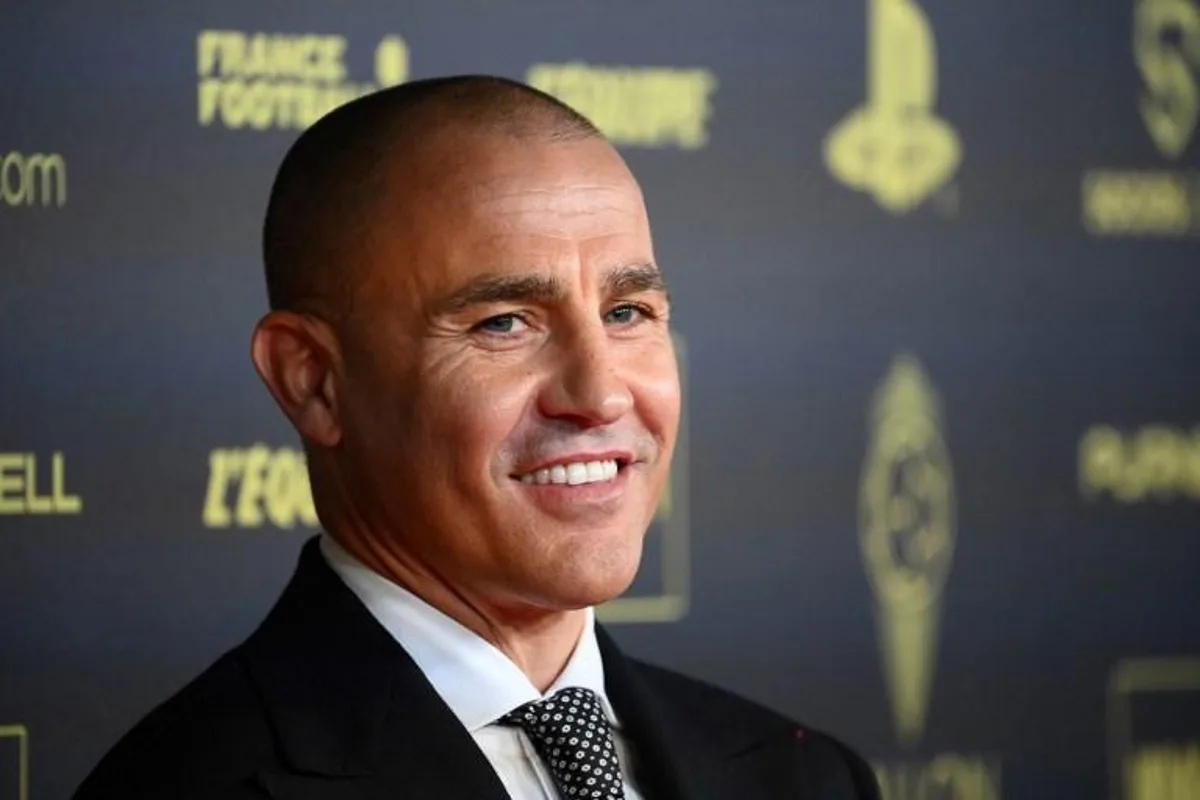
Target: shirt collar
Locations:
point(476, 680)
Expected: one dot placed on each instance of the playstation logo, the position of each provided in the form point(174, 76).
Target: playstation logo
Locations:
point(894, 146)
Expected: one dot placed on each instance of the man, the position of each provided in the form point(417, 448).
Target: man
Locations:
point(470, 334)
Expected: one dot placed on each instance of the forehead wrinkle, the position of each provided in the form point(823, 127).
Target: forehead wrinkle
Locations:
point(562, 200)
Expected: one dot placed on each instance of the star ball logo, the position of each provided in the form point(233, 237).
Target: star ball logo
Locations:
point(894, 146)
point(907, 535)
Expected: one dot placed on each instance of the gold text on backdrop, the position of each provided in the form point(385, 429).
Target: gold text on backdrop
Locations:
point(635, 106)
point(39, 179)
point(250, 487)
point(264, 81)
point(22, 492)
point(1156, 462)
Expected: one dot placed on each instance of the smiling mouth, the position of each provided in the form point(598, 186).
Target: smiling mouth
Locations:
point(575, 473)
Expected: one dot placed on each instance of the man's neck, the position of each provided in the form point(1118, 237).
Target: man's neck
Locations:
point(539, 641)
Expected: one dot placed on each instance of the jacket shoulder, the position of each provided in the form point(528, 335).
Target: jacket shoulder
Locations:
point(820, 760)
point(207, 740)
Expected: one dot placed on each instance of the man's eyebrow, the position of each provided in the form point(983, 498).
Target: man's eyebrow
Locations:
point(502, 289)
point(634, 278)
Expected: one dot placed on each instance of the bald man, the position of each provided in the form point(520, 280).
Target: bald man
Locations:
point(470, 334)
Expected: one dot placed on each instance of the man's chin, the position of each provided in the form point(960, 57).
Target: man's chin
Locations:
point(582, 585)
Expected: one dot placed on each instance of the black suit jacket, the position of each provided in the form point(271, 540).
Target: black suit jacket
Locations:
point(321, 702)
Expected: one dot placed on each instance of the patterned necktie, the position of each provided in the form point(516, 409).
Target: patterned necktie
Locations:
point(573, 738)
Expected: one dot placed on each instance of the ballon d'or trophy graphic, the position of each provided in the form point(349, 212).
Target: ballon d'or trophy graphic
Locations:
point(906, 511)
point(894, 146)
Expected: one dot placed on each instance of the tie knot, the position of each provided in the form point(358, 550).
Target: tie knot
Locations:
point(573, 707)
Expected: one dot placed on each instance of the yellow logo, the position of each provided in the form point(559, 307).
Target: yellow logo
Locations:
point(1156, 462)
point(34, 180)
point(894, 146)
point(1155, 202)
point(907, 536)
point(249, 487)
point(267, 81)
point(1166, 45)
point(19, 492)
point(906, 507)
point(635, 106)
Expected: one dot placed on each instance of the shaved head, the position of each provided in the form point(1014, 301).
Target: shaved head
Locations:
point(320, 210)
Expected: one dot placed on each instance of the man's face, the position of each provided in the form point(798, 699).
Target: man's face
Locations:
point(510, 397)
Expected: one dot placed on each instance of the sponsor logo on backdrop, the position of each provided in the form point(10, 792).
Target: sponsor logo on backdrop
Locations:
point(264, 81)
point(258, 486)
point(1152, 463)
point(1156, 201)
point(14, 762)
point(907, 534)
point(261, 486)
point(894, 146)
point(635, 106)
point(30, 485)
point(1153, 710)
point(33, 180)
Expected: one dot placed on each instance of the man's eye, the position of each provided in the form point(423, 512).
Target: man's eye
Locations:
point(627, 314)
point(502, 323)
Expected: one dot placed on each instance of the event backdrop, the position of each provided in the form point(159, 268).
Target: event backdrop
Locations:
point(936, 268)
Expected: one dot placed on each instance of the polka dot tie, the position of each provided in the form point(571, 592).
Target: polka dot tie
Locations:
point(572, 736)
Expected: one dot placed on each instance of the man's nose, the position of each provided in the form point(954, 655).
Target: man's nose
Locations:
point(586, 385)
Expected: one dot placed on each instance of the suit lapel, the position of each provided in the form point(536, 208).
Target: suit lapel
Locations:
point(354, 716)
point(693, 742)
point(661, 757)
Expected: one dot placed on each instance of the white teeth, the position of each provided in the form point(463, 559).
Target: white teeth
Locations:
point(573, 474)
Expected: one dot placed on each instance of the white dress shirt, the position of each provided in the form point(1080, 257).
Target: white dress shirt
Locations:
point(478, 682)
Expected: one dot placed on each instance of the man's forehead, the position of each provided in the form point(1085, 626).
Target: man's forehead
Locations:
point(519, 215)
point(564, 197)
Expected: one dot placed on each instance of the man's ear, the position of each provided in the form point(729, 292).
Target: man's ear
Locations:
point(295, 355)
